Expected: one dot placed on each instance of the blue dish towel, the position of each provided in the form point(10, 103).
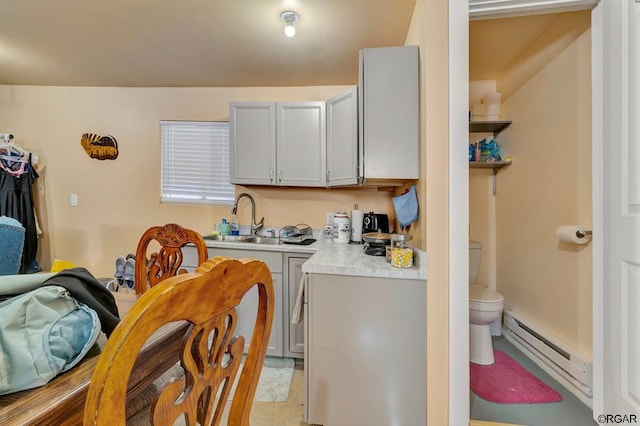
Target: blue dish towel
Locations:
point(11, 245)
point(406, 207)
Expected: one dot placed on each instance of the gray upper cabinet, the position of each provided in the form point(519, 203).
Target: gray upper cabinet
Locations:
point(301, 143)
point(342, 139)
point(389, 113)
point(252, 135)
point(363, 135)
point(278, 143)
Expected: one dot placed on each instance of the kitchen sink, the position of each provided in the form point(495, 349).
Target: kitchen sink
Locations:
point(255, 239)
point(258, 239)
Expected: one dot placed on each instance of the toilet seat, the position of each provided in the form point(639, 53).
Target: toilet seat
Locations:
point(481, 298)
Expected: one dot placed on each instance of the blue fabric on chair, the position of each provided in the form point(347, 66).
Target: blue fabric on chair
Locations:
point(11, 245)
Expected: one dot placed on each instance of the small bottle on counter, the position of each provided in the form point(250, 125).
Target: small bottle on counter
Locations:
point(225, 228)
point(235, 227)
point(401, 251)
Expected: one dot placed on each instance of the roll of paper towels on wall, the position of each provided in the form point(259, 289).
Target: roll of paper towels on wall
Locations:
point(573, 234)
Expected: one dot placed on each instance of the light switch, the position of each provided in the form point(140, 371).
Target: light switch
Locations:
point(74, 200)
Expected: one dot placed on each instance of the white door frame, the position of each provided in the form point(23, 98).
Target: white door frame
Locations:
point(459, 411)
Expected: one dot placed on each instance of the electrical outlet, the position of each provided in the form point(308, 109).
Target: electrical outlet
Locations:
point(74, 200)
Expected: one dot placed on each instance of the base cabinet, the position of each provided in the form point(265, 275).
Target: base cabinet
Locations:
point(366, 356)
point(248, 307)
point(247, 317)
point(286, 270)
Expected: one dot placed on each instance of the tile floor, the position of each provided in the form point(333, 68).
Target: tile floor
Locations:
point(285, 413)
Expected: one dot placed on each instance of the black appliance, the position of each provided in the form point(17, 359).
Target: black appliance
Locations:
point(374, 222)
point(375, 243)
point(375, 249)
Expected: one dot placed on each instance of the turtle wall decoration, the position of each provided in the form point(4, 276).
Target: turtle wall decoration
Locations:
point(100, 147)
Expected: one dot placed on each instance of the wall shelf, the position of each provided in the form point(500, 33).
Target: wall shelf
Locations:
point(495, 165)
point(494, 127)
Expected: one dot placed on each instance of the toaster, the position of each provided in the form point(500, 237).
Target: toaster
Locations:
point(373, 222)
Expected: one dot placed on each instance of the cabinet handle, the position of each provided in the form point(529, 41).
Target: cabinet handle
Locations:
point(280, 176)
point(271, 176)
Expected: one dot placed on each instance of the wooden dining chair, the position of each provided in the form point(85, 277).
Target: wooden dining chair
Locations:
point(206, 299)
point(151, 268)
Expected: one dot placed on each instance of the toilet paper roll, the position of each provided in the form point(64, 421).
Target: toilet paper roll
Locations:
point(492, 98)
point(357, 219)
point(571, 234)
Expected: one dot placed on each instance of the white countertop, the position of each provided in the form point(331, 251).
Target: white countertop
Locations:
point(339, 259)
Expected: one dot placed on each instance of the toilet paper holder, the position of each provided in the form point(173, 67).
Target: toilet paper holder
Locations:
point(581, 233)
point(575, 234)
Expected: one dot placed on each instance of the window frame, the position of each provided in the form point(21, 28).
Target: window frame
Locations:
point(194, 162)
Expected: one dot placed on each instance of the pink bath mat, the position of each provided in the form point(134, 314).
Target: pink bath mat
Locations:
point(507, 382)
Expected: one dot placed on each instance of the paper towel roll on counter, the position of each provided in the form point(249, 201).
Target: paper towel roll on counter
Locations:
point(573, 234)
point(357, 219)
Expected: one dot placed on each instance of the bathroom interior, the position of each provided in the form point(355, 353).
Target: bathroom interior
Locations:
point(541, 65)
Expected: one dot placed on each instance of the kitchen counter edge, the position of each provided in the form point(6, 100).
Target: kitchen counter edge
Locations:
point(338, 259)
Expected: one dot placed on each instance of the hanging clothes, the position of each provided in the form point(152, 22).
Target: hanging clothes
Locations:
point(16, 201)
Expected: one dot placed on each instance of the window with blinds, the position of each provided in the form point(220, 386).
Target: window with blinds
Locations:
point(195, 163)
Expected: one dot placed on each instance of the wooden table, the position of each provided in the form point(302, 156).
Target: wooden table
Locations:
point(61, 401)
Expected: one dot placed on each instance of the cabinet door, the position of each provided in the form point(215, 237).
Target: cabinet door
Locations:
point(301, 143)
point(249, 305)
point(295, 338)
point(367, 345)
point(247, 317)
point(342, 139)
point(390, 112)
point(252, 140)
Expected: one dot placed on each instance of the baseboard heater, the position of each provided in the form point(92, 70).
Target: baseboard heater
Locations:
point(546, 351)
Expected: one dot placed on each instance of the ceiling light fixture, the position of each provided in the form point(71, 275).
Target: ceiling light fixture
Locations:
point(290, 18)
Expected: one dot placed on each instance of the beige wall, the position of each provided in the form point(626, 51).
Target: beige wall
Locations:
point(118, 200)
point(548, 185)
point(429, 31)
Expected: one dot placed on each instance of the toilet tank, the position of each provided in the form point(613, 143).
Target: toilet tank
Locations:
point(475, 248)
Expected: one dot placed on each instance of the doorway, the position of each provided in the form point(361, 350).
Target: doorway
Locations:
point(541, 65)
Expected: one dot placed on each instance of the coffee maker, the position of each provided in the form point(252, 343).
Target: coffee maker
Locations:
point(374, 222)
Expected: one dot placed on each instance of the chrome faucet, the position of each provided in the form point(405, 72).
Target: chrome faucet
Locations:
point(254, 226)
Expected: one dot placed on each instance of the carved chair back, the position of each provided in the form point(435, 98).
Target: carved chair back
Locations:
point(152, 268)
point(210, 356)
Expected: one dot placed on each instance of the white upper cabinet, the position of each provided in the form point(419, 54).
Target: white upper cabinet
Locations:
point(278, 143)
point(389, 113)
point(252, 136)
point(301, 143)
point(342, 139)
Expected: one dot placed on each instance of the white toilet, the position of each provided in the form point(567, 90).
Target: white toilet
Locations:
point(485, 307)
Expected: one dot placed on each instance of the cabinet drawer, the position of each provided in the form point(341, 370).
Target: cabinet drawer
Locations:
point(271, 258)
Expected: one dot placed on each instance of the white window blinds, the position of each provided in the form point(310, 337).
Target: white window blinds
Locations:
point(195, 163)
